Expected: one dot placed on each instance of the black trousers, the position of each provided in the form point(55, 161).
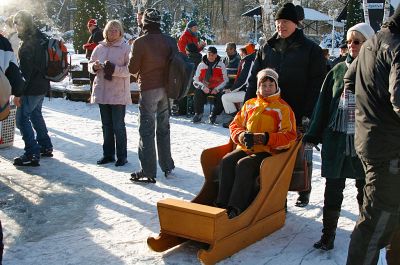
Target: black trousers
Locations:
point(379, 220)
point(333, 196)
point(237, 175)
point(200, 98)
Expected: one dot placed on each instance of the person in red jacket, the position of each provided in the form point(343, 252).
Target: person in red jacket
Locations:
point(94, 39)
point(190, 35)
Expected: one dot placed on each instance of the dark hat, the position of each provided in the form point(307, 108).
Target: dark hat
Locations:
point(191, 23)
point(288, 11)
point(151, 15)
point(23, 18)
point(300, 12)
point(212, 49)
point(343, 46)
point(395, 18)
point(191, 47)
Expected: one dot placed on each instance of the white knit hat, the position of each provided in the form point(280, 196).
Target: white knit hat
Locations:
point(364, 29)
point(268, 72)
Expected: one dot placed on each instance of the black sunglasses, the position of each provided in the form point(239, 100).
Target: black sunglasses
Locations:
point(355, 42)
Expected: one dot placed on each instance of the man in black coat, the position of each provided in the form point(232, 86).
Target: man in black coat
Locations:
point(96, 35)
point(301, 68)
point(376, 77)
point(32, 60)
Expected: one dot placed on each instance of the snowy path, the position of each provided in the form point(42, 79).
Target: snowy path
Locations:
point(71, 211)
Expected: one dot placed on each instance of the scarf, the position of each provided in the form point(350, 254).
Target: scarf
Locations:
point(344, 121)
point(210, 65)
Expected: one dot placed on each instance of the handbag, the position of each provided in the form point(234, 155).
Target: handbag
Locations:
point(301, 177)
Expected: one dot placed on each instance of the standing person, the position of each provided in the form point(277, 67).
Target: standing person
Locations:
point(210, 79)
point(31, 55)
point(263, 127)
point(236, 93)
point(149, 60)
point(9, 65)
point(342, 56)
point(190, 35)
point(301, 68)
point(376, 77)
point(231, 62)
point(111, 90)
point(185, 104)
point(332, 124)
point(96, 35)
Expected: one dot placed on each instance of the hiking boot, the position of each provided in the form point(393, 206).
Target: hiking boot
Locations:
point(27, 160)
point(46, 152)
point(197, 118)
point(326, 242)
point(233, 212)
point(120, 162)
point(105, 160)
point(303, 199)
point(139, 176)
point(212, 118)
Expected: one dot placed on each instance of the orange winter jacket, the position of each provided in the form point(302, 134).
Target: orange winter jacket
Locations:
point(259, 115)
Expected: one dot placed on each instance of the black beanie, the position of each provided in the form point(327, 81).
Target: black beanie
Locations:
point(151, 15)
point(288, 11)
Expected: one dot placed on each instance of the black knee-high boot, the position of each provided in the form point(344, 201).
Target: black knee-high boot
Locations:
point(330, 220)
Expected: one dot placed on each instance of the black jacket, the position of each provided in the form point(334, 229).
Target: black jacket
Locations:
point(8, 63)
point(241, 81)
point(32, 59)
point(376, 76)
point(301, 68)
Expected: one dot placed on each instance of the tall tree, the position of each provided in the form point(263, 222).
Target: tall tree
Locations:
point(355, 13)
point(87, 9)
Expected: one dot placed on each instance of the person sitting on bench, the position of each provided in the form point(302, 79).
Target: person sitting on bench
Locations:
point(264, 126)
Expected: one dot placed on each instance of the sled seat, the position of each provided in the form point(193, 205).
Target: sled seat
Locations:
point(200, 221)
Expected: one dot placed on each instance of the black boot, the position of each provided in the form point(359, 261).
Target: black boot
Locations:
point(330, 220)
point(303, 199)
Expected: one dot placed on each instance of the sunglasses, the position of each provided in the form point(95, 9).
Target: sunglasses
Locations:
point(355, 42)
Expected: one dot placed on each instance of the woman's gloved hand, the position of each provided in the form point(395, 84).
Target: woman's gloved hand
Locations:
point(109, 69)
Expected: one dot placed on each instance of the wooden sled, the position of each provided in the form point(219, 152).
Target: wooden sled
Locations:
point(197, 220)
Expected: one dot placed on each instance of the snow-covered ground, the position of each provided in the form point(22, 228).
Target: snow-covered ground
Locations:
point(71, 211)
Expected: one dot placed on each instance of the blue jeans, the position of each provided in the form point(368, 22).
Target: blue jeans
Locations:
point(28, 115)
point(114, 130)
point(154, 111)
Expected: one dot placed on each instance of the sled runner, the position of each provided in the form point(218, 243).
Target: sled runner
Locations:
point(200, 221)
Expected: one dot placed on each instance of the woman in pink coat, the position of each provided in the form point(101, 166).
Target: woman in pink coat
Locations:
point(109, 61)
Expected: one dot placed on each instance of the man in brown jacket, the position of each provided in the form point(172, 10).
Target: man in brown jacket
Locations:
point(149, 62)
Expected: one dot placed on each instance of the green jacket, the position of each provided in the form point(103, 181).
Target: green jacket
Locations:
point(335, 164)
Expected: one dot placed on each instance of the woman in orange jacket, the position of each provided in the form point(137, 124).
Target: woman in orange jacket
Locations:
point(263, 126)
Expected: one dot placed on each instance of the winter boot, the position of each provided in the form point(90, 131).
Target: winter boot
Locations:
point(303, 199)
point(46, 152)
point(330, 220)
point(197, 117)
point(27, 160)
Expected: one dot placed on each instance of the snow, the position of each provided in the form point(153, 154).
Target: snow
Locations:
point(72, 211)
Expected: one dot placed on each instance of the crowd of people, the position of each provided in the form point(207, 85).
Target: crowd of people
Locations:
point(286, 88)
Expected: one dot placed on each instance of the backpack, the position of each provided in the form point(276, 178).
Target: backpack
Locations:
point(56, 65)
point(180, 75)
point(5, 93)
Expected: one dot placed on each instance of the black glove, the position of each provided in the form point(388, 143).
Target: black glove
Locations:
point(109, 69)
point(248, 140)
point(310, 139)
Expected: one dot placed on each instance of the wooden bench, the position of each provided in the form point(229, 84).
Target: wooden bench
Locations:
point(200, 221)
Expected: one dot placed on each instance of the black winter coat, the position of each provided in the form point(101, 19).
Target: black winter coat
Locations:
point(8, 63)
point(301, 68)
point(95, 37)
point(241, 81)
point(377, 89)
point(32, 58)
